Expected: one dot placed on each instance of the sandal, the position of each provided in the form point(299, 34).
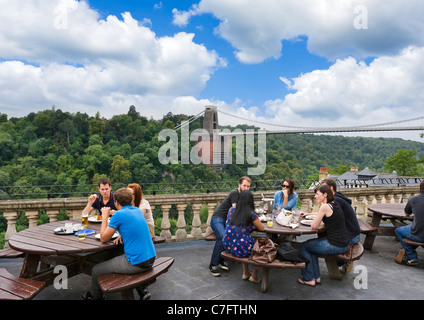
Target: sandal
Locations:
point(303, 282)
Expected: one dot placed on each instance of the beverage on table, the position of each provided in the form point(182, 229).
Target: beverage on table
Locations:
point(84, 219)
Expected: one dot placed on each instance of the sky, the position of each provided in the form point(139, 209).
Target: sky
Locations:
point(307, 63)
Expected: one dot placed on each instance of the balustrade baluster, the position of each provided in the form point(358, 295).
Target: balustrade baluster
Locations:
point(11, 217)
point(181, 233)
point(196, 232)
point(165, 225)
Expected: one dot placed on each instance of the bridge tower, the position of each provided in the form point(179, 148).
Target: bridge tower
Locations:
point(210, 123)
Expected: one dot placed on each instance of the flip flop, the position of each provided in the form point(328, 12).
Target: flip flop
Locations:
point(302, 282)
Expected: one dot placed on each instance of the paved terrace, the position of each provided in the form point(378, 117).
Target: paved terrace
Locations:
point(189, 278)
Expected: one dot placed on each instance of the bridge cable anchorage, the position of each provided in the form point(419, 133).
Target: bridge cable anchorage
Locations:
point(362, 128)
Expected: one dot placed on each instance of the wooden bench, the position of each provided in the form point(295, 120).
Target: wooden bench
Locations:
point(277, 264)
point(366, 227)
point(14, 288)
point(158, 239)
point(9, 253)
point(355, 252)
point(125, 283)
point(413, 243)
point(210, 235)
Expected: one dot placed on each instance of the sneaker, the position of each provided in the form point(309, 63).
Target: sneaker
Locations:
point(87, 295)
point(143, 293)
point(224, 266)
point(401, 256)
point(214, 271)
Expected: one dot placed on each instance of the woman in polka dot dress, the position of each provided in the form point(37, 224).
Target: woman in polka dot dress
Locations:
point(241, 222)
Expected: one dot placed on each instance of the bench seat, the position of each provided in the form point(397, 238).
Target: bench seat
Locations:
point(158, 239)
point(210, 235)
point(413, 243)
point(355, 252)
point(15, 288)
point(277, 264)
point(366, 227)
point(125, 283)
point(9, 253)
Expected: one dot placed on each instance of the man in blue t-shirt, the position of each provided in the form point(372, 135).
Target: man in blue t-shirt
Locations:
point(139, 251)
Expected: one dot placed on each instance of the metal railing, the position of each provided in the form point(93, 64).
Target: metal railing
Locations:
point(65, 191)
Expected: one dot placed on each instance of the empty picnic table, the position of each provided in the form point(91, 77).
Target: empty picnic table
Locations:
point(391, 212)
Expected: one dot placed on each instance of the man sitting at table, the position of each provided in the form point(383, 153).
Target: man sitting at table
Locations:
point(105, 199)
point(415, 231)
point(139, 251)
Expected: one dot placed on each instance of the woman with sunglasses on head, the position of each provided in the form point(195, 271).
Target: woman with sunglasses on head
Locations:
point(286, 198)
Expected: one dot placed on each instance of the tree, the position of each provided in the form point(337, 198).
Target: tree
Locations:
point(405, 163)
point(120, 170)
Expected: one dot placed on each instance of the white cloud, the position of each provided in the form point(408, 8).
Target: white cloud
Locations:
point(257, 28)
point(60, 53)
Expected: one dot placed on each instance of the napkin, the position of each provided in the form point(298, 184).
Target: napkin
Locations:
point(287, 221)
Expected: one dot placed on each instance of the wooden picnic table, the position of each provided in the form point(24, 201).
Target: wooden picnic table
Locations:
point(41, 244)
point(278, 229)
point(391, 212)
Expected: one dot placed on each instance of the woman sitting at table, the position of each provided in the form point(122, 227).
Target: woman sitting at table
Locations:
point(335, 242)
point(144, 205)
point(241, 222)
point(286, 198)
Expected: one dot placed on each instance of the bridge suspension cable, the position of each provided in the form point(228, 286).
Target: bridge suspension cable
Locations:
point(387, 126)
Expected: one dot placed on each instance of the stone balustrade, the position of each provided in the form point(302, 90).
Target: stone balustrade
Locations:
point(361, 198)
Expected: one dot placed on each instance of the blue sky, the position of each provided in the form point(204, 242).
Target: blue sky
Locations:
point(304, 62)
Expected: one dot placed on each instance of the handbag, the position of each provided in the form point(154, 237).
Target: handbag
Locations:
point(286, 252)
point(264, 251)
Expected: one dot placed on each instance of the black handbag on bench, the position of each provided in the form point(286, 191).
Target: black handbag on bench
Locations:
point(286, 252)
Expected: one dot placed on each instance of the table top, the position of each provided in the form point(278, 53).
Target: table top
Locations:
point(300, 230)
point(42, 240)
point(394, 210)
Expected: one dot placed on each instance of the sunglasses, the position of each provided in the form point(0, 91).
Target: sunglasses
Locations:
point(285, 186)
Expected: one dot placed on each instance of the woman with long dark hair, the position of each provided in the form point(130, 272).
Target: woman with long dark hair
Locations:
point(287, 197)
point(241, 222)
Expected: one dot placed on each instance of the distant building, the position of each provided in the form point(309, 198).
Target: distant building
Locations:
point(368, 178)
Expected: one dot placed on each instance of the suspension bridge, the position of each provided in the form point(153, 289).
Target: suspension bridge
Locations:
point(211, 122)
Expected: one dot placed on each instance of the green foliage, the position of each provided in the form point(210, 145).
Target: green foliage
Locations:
point(406, 163)
point(52, 147)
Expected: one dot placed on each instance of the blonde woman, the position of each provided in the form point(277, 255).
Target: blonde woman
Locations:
point(144, 205)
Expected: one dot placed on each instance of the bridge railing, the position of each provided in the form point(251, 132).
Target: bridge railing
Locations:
point(361, 198)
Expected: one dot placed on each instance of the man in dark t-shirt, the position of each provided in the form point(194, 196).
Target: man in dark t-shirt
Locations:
point(104, 199)
point(415, 231)
point(218, 220)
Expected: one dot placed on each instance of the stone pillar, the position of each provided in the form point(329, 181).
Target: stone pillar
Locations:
point(196, 232)
point(32, 216)
point(181, 233)
point(11, 217)
point(165, 225)
point(52, 214)
point(211, 208)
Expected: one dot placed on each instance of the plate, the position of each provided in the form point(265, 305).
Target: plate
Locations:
point(306, 222)
point(115, 235)
point(94, 219)
point(62, 230)
point(310, 217)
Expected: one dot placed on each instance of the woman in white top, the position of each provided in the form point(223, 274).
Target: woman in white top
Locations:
point(144, 205)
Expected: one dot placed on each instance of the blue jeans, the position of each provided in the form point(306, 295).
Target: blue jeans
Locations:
point(310, 249)
point(218, 227)
point(405, 232)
